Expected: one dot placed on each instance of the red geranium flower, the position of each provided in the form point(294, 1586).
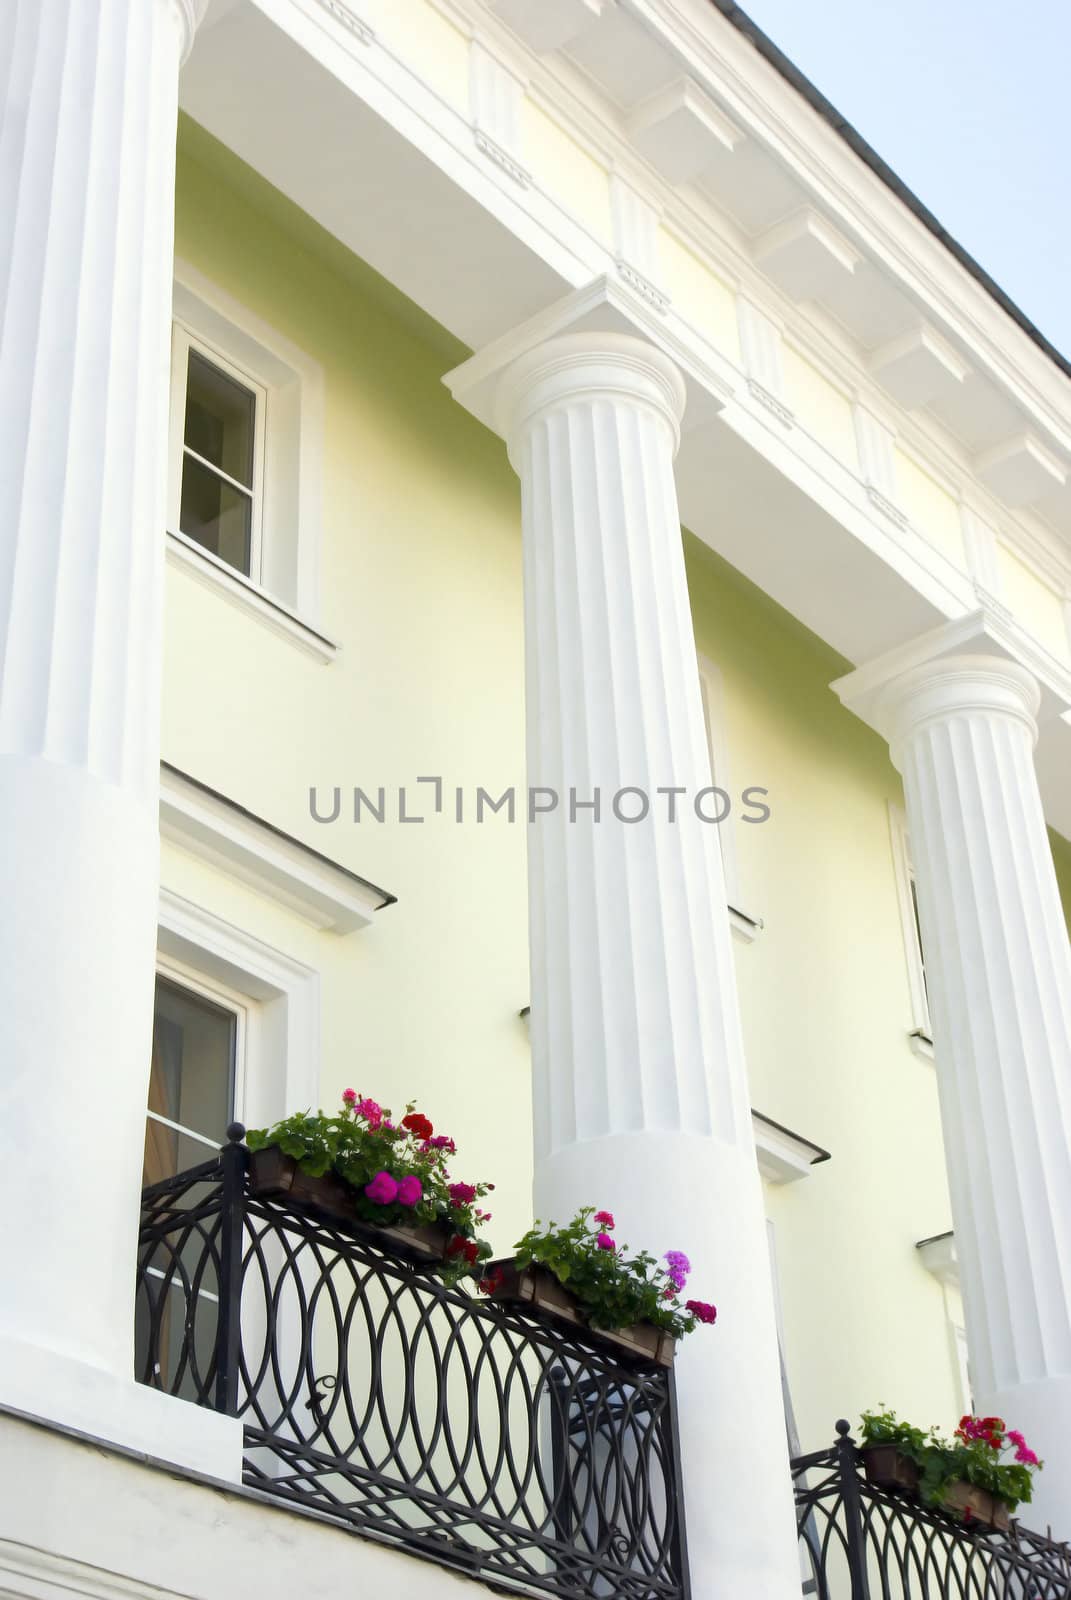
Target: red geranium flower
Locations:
point(418, 1125)
point(464, 1247)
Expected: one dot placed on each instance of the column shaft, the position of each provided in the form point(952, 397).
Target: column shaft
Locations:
point(998, 968)
point(640, 1090)
point(87, 151)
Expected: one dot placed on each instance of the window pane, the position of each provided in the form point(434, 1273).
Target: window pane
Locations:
point(191, 1079)
point(215, 514)
point(220, 414)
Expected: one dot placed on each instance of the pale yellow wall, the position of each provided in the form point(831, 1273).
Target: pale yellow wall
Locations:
point(820, 408)
point(699, 295)
point(422, 586)
point(569, 175)
point(931, 509)
point(1034, 603)
point(826, 1014)
point(421, 579)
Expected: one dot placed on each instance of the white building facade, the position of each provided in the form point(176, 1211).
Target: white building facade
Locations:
point(361, 363)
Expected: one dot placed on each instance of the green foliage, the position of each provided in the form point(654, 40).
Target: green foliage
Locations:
point(612, 1288)
point(977, 1455)
point(361, 1142)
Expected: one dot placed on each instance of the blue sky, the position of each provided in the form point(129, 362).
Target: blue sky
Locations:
point(969, 101)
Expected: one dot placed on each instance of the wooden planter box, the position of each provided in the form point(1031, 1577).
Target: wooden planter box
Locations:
point(536, 1286)
point(983, 1508)
point(888, 1469)
point(272, 1173)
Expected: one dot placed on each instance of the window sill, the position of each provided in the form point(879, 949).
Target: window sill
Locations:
point(921, 1044)
point(745, 926)
point(247, 596)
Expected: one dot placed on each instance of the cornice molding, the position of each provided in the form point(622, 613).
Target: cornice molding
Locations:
point(354, 24)
point(571, 94)
point(219, 831)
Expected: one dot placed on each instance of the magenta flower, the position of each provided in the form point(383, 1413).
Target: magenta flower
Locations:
point(383, 1189)
point(701, 1311)
point(349, 1097)
point(1026, 1456)
point(605, 1219)
point(462, 1194)
point(410, 1191)
point(677, 1268)
point(370, 1111)
point(604, 1241)
point(1016, 1438)
point(440, 1142)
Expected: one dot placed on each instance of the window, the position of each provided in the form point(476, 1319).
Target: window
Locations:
point(192, 1080)
point(245, 463)
point(921, 1031)
point(217, 426)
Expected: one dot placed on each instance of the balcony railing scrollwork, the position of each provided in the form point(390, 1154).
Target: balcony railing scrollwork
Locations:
point(861, 1542)
point(483, 1435)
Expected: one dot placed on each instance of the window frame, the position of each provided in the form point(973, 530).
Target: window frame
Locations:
point(744, 925)
point(180, 976)
point(184, 339)
point(921, 1031)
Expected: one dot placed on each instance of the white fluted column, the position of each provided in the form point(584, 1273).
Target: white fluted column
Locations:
point(640, 1091)
point(962, 730)
point(87, 157)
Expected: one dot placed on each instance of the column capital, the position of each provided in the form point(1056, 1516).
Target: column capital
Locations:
point(983, 662)
point(614, 321)
point(590, 366)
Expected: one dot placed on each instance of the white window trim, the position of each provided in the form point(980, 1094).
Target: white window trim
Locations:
point(183, 976)
point(225, 835)
point(284, 592)
point(183, 340)
point(281, 1054)
point(745, 926)
point(920, 1034)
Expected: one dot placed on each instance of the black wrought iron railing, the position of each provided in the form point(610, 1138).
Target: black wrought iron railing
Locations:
point(861, 1542)
point(486, 1436)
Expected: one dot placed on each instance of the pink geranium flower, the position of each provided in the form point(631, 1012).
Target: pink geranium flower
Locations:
point(604, 1241)
point(605, 1219)
point(383, 1189)
point(410, 1191)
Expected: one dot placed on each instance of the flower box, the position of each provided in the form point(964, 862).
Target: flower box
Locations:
point(973, 1506)
point(886, 1468)
point(273, 1173)
point(537, 1286)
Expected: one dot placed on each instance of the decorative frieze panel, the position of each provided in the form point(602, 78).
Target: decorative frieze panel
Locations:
point(760, 347)
point(635, 225)
point(877, 464)
point(495, 97)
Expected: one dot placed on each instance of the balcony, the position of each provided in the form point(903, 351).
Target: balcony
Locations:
point(860, 1542)
point(484, 1436)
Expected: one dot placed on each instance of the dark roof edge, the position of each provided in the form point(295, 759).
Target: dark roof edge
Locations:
point(803, 85)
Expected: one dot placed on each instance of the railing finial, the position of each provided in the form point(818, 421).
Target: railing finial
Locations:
point(844, 1427)
point(235, 1133)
